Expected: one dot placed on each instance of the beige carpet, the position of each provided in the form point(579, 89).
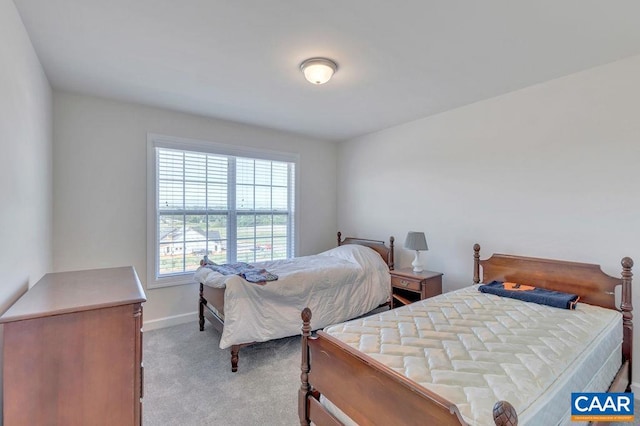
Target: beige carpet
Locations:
point(188, 380)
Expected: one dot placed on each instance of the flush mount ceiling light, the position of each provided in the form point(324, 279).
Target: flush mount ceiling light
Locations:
point(318, 70)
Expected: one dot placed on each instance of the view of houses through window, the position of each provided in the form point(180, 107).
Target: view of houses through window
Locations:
point(231, 209)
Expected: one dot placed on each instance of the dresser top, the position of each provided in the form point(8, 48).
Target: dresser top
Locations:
point(65, 292)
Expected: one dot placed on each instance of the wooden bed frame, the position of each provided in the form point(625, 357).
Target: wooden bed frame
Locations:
point(371, 393)
point(211, 300)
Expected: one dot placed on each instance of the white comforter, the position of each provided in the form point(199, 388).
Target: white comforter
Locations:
point(337, 285)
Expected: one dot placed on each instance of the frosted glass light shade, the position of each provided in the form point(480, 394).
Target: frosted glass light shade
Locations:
point(318, 70)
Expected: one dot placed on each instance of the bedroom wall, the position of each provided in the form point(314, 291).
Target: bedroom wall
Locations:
point(100, 187)
point(25, 168)
point(548, 171)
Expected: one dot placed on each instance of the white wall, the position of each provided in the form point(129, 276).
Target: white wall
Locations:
point(25, 168)
point(100, 186)
point(548, 171)
point(25, 164)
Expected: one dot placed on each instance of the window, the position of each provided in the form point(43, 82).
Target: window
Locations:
point(229, 203)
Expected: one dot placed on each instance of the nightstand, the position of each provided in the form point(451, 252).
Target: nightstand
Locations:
point(408, 286)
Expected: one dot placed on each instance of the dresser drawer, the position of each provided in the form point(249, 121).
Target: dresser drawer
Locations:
point(405, 283)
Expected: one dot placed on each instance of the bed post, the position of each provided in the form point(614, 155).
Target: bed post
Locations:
point(339, 238)
point(235, 349)
point(476, 263)
point(627, 316)
point(201, 303)
point(391, 261)
point(303, 393)
point(504, 414)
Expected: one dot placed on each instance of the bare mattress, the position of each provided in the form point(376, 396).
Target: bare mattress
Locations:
point(475, 349)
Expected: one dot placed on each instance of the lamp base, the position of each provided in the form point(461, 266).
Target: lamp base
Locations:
point(417, 266)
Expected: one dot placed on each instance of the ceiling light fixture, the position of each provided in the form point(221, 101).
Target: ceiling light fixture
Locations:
point(318, 70)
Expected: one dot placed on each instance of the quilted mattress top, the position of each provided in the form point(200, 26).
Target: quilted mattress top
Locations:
point(475, 349)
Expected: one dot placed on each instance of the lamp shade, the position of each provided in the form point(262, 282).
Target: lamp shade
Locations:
point(416, 241)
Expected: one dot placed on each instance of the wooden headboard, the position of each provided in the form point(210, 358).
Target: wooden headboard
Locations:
point(584, 279)
point(379, 246)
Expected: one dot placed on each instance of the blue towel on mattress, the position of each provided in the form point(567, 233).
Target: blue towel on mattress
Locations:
point(536, 295)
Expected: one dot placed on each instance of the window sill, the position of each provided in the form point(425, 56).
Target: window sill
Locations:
point(171, 281)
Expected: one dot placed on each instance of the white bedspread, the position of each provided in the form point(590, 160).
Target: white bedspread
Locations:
point(475, 349)
point(337, 285)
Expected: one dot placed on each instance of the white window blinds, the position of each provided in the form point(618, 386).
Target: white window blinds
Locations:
point(231, 208)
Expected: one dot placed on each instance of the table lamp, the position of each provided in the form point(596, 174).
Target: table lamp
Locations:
point(418, 242)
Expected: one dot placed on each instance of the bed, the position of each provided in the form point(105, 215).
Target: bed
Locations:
point(358, 380)
point(342, 283)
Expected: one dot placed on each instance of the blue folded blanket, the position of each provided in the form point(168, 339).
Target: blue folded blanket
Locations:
point(531, 294)
point(246, 271)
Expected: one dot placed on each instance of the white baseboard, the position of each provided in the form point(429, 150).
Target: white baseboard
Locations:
point(635, 388)
point(170, 321)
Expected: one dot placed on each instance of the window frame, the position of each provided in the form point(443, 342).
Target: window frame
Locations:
point(185, 144)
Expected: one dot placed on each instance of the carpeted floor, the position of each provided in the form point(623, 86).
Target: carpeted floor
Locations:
point(188, 380)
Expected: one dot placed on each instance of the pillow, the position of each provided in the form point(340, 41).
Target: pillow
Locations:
point(358, 254)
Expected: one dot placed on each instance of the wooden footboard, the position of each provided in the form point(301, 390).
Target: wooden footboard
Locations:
point(215, 298)
point(366, 391)
point(369, 392)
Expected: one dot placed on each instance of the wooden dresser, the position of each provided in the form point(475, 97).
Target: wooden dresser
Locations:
point(73, 350)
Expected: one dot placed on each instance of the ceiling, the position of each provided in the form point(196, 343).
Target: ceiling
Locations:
point(398, 61)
